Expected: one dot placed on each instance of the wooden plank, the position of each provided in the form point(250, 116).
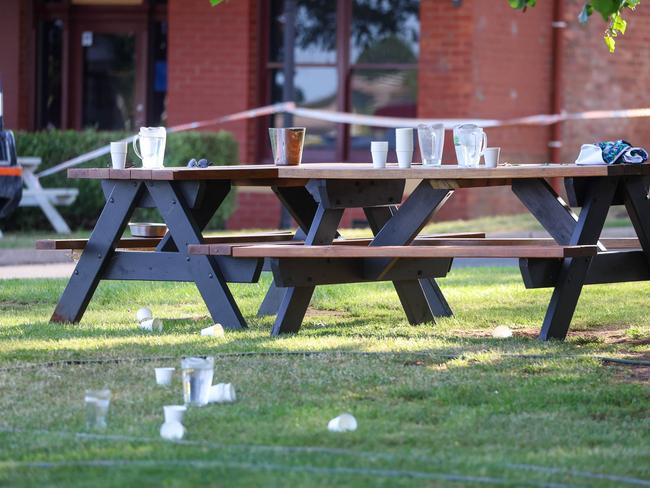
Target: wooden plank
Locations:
point(140, 242)
point(459, 251)
point(453, 172)
point(342, 171)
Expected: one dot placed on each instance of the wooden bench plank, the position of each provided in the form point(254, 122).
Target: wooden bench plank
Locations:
point(148, 243)
point(446, 251)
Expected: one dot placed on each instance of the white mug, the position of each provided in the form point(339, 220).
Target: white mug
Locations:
point(152, 146)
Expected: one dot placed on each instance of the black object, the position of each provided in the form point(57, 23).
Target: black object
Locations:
point(11, 186)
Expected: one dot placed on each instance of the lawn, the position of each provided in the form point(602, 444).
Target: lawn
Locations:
point(437, 405)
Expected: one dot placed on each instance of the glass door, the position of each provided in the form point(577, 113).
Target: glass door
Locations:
point(109, 76)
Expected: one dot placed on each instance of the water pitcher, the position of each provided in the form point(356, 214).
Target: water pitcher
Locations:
point(431, 139)
point(152, 146)
point(470, 142)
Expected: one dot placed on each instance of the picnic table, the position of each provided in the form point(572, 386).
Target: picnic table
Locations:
point(34, 195)
point(316, 196)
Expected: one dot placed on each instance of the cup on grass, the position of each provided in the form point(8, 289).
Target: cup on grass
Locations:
point(97, 403)
point(164, 376)
point(379, 151)
point(118, 154)
point(491, 157)
point(174, 413)
point(404, 147)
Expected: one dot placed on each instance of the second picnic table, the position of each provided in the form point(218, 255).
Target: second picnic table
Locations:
point(316, 196)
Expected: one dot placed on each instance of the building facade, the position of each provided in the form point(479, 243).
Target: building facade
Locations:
point(120, 64)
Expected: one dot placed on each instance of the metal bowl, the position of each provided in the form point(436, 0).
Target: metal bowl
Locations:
point(147, 229)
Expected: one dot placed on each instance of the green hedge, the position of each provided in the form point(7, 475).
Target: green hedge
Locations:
point(57, 146)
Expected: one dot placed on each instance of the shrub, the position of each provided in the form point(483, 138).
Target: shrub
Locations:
point(57, 146)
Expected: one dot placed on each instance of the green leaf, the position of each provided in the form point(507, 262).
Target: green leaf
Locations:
point(215, 2)
point(606, 8)
point(618, 23)
point(610, 42)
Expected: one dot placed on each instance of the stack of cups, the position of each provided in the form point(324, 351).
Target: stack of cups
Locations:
point(404, 147)
point(118, 154)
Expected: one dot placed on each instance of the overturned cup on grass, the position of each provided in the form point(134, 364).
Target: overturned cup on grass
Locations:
point(222, 393)
point(502, 332)
point(343, 423)
point(152, 325)
point(215, 330)
point(143, 314)
point(164, 376)
point(172, 431)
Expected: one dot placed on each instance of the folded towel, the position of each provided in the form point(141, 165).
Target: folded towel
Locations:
point(611, 152)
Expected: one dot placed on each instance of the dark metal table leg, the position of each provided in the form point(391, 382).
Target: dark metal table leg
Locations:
point(296, 299)
point(422, 300)
point(638, 208)
point(109, 228)
point(184, 230)
point(213, 195)
point(302, 207)
point(554, 215)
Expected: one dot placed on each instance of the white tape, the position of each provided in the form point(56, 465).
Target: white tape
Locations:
point(368, 120)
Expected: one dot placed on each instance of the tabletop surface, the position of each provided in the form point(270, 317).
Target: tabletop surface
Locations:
point(250, 172)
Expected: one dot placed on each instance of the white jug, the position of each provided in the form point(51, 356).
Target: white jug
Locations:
point(152, 146)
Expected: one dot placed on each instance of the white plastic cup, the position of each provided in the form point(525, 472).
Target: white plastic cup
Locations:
point(222, 393)
point(215, 330)
point(174, 413)
point(143, 314)
point(404, 139)
point(379, 151)
point(152, 325)
point(164, 376)
point(343, 423)
point(491, 157)
point(172, 431)
point(118, 154)
point(404, 158)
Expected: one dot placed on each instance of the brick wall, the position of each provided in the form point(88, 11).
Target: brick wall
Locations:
point(212, 64)
point(595, 80)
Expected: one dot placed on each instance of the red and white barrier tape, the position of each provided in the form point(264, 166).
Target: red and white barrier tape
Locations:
point(367, 120)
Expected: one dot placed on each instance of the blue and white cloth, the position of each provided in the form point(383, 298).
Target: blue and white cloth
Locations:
point(611, 152)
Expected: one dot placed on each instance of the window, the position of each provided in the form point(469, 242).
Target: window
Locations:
point(357, 56)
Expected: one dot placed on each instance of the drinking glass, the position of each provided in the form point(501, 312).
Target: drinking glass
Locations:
point(97, 403)
point(197, 379)
point(287, 144)
point(432, 140)
point(470, 142)
point(152, 142)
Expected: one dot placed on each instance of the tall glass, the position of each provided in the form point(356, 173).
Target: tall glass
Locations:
point(287, 144)
point(432, 140)
point(470, 142)
point(97, 403)
point(197, 379)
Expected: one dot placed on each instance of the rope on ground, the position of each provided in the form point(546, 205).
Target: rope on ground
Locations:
point(325, 450)
point(450, 357)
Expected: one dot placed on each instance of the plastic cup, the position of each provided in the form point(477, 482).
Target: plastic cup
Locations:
point(143, 314)
point(343, 423)
point(164, 376)
point(379, 151)
point(97, 403)
point(174, 413)
point(491, 157)
point(404, 158)
point(222, 393)
point(118, 154)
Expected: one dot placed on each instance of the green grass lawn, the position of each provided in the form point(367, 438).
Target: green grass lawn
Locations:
point(437, 405)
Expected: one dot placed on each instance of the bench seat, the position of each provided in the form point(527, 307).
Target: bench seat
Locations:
point(420, 248)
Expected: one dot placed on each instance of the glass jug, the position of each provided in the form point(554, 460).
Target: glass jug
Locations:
point(197, 379)
point(431, 139)
point(470, 142)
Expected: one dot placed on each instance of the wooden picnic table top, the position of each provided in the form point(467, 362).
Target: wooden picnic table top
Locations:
point(254, 172)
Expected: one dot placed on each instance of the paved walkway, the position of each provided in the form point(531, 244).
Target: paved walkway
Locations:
point(28, 263)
